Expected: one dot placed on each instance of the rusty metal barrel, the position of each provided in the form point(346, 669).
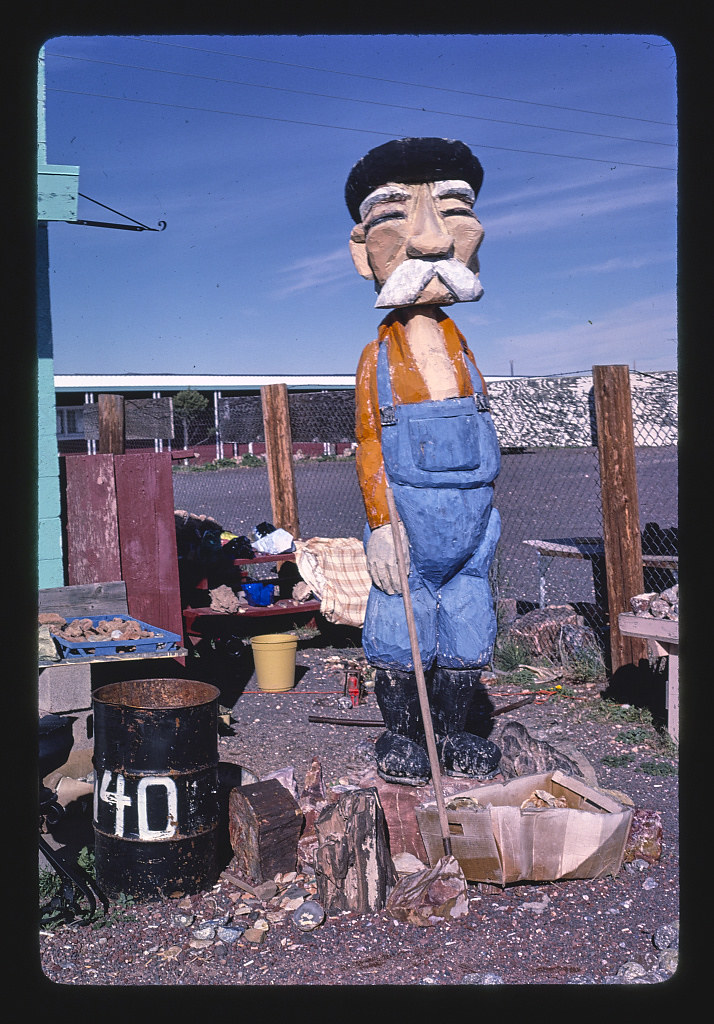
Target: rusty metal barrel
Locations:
point(155, 788)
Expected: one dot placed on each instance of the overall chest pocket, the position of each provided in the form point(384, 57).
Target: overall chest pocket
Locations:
point(442, 443)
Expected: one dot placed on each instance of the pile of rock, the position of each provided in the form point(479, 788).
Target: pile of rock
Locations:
point(358, 841)
point(666, 940)
point(658, 606)
point(120, 629)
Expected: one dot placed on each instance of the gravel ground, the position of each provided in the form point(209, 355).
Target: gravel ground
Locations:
point(570, 932)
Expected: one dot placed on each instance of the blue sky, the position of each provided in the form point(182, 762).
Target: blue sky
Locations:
point(242, 144)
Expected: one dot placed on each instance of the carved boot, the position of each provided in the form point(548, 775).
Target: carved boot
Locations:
point(400, 750)
point(461, 753)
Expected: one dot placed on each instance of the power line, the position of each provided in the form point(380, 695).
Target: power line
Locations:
point(349, 99)
point(366, 131)
point(393, 81)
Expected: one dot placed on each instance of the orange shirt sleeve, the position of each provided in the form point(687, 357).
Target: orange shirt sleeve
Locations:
point(368, 431)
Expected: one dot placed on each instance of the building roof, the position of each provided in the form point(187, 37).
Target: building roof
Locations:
point(119, 382)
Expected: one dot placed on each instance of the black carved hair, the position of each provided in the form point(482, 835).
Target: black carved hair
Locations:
point(410, 161)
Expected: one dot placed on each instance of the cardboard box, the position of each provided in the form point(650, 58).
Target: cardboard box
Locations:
point(500, 843)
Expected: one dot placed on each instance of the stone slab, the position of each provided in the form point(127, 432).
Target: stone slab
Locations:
point(63, 688)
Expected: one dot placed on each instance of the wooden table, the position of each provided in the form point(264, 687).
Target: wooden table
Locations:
point(662, 635)
point(592, 549)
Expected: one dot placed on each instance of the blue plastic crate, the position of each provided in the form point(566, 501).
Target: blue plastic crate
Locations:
point(163, 642)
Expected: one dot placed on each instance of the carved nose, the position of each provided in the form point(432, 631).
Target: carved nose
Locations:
point(430, 243)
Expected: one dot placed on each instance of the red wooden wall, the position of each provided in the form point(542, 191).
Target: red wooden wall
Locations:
point(120, 526)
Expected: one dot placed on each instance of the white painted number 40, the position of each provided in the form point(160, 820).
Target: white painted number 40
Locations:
point(120, 800)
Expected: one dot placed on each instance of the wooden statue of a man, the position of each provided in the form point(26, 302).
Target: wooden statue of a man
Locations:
point(424, 428)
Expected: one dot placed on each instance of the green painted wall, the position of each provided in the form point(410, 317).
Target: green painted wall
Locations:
point(49, 548)
point(57, 189)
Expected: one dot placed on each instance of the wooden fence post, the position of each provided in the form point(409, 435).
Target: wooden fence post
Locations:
point(620, 506)
point(112, 434)
point(279, 457)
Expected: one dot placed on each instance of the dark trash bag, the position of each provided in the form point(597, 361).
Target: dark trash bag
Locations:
point(238, 547)
point(263, 529)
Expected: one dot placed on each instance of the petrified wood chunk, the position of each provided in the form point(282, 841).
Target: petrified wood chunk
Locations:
point(353, 864)
point(523, 754)
point(430, 896)
point(264, 823)
point(540, 630)
point(645, 839)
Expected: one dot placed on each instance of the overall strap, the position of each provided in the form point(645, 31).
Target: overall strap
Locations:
point(384, 388)
point(481, 400)
point(386, 398)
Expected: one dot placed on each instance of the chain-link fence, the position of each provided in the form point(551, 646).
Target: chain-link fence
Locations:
point(654, 413)
point(548, 490)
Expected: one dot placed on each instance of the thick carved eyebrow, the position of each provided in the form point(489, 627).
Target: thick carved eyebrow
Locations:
point(457, 189)
point(381, 195)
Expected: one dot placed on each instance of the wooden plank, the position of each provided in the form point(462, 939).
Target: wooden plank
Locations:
point(661, 561)
point(92, 533)
point(563, 549)
point(147, 535)
point(620, 506)
point(279, 457)
point(592, 548)
point(111, 425)
point(180, 652)
point(143, 418)
point(85, 599)
point(662, 630)
point(254, 611)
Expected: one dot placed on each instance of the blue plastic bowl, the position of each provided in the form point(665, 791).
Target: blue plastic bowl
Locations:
point(258, 594)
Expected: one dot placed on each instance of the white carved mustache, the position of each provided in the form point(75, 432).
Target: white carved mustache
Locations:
point(403, 286)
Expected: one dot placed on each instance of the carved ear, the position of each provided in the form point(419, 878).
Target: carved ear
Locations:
point(358, 251)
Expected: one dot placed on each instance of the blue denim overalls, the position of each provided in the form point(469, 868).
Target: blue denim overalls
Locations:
point(441, 458)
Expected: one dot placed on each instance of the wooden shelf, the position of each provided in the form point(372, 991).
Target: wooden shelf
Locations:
point(252, 611)
point(282, 607)
point(287, 556)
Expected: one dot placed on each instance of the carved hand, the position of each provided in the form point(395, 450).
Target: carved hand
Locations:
point(382, 558)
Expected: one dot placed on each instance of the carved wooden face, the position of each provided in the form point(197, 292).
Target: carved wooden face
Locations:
point(419, 243)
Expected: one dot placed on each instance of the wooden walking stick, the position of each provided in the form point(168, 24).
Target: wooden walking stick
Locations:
point(419, 672)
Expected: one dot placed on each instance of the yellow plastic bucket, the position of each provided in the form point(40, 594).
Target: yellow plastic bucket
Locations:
point(274, 657)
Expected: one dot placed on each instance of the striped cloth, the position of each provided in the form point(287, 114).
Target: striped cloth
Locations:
point(336, 570)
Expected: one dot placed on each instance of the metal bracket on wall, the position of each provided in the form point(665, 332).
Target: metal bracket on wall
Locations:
point(134, 226)
point(124, 227)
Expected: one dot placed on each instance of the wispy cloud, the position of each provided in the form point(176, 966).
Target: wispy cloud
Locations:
point(615, 264)
point(551, 212)
point(643, 331)
point(314, 273)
